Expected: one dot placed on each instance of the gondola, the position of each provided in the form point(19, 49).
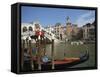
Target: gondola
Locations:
point(60, 64)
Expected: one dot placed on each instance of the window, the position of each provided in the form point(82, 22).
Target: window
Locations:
point(30, 28)
point(24, 29)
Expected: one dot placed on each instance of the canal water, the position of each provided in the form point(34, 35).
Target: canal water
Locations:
point(62, 50)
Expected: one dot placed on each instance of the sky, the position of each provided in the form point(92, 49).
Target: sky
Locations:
point(51, 16)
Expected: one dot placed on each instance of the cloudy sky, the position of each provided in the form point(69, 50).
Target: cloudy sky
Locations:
point(88, 17)
point(50, 16)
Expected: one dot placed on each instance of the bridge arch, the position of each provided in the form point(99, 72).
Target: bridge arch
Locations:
point(30, 28)
point(24, 29)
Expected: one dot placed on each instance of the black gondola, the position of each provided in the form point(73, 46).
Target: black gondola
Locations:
point(58, 64)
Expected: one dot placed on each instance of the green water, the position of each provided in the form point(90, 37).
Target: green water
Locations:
point(73, 51)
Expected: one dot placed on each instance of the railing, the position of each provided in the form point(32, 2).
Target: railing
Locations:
point(49, 35)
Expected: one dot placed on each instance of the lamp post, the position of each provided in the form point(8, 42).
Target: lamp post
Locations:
point(52, 53)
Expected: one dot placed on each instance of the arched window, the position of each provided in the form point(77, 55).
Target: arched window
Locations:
point(30, 28)
point(24, 29)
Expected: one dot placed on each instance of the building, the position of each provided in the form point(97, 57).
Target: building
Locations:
point(75, 29)
point(59, 31)
point(89, 31)
point(68, 28)
point(71, 29)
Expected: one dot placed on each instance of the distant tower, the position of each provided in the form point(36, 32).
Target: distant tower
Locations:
point(68, 22)
point(68, 19)
point(68, 28)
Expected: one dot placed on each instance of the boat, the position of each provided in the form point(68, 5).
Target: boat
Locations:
point(61, 64)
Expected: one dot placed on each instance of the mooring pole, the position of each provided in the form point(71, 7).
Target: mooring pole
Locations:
point(30, 52)
point(44, 46)
point(52, 54)
point(27, 42)
point(39, 53)
point(22, 53)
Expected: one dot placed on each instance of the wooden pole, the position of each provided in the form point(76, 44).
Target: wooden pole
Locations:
point(27, 43)
point(30, 52)
point(44, 45)
point(39, 53)
point(22, 53)
point(52, 54)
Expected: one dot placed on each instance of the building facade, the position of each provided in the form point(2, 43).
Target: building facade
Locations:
point(58, 30)
point(71, 29)
point(89, 31)
point(68, 28)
